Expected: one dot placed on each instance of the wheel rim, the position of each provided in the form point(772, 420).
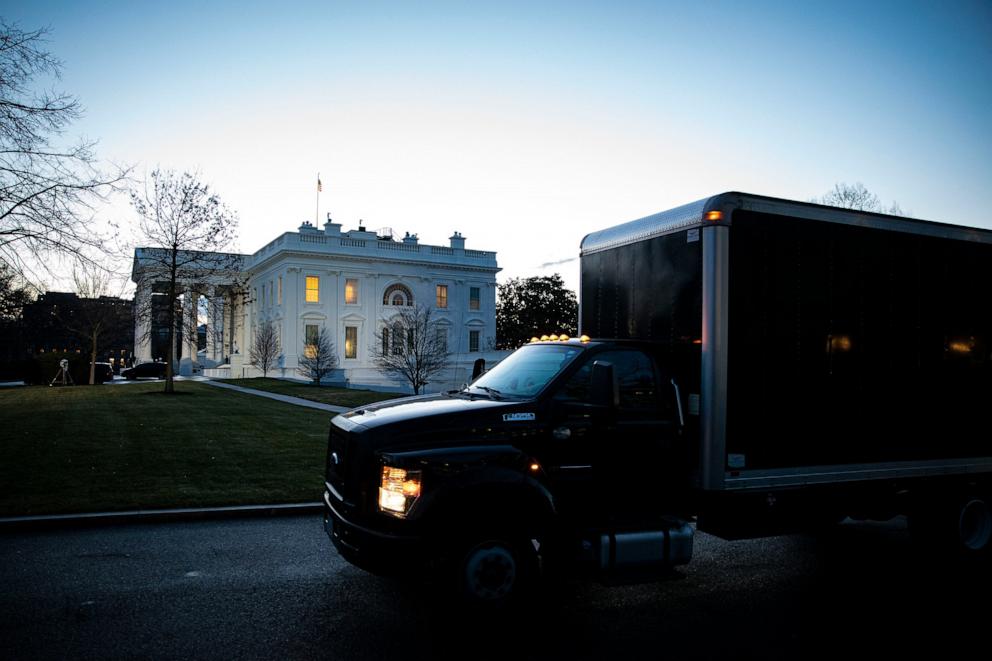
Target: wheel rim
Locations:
point(490, 572)
point(975, 525)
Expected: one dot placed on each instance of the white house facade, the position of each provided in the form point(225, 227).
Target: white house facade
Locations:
point(349, 283)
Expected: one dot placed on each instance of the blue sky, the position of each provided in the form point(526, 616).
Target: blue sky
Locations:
point(527, 125)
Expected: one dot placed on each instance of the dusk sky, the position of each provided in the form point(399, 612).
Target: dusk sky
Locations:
point(526, 126)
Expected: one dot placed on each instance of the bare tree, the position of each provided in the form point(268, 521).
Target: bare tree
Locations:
point(265, 347)
point(188, 226)
point(856, 196)
point(319, 356)
point(411, 346)
point(48, 188)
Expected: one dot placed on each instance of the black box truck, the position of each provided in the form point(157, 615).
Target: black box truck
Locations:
point(747, 366)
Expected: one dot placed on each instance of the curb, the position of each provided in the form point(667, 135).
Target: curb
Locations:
point(58, 521)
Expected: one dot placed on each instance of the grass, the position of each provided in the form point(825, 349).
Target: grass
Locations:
point(346, 397)
point(95, 448)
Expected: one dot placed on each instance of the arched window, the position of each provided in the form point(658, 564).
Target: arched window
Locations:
point(398, 295)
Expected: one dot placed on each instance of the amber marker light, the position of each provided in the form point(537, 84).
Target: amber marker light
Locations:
point(563, 338)
point(535, 339)
point(535, 467)
point(584, 338)
point(544, 338)
point(959, 346)
point(714, 216)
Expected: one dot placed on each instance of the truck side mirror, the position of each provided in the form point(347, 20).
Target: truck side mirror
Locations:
point(478, 368)
point(605, 390)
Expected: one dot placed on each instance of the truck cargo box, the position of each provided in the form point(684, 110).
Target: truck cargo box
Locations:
point(817, 344)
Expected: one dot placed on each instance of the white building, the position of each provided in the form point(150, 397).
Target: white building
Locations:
point(349, 283)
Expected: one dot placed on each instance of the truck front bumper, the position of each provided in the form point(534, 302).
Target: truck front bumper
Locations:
point(371, 550)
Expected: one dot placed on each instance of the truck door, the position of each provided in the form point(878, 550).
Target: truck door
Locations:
point(614, 463)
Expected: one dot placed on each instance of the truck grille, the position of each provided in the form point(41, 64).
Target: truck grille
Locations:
point(337, 461)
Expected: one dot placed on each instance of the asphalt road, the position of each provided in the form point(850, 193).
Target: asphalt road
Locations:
point(275, 589)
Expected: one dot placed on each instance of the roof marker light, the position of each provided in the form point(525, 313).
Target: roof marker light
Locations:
point(714, 216)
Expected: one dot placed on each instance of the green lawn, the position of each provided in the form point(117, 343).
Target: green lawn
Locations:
point(93, 448)
point(324, 394)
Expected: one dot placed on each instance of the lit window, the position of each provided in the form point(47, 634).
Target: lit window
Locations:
point(351, 291)
point(473, 340)
point(398, 299)
point(313, 289)
point(442, 296)
point(473, 298)
point(351, 342)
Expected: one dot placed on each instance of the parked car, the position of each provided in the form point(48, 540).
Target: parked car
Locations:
point(104, 372)
point(153, 370)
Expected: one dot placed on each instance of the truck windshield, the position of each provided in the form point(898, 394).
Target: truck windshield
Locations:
point(527, 370)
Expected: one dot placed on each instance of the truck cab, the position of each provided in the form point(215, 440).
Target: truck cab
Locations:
point(564, 453)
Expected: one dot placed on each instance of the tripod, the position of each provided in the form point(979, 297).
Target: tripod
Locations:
point(63, 376)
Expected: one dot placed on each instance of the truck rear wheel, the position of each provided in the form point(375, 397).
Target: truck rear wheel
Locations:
point(975, 525)
point(960, 526)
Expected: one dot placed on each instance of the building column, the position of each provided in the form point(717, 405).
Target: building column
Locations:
point(289, 338)
point(188, 358)
point(238, 338)
point(217, 325)
point(143, 323)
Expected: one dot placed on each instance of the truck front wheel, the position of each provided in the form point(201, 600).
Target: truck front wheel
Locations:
point(495, 570)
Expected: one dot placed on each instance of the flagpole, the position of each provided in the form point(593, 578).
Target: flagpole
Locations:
point(316, 213)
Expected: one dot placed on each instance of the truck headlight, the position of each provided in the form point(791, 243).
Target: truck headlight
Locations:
point(398, 490)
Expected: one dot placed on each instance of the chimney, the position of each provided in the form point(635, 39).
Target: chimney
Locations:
point(410, 238)
point(331, 228)
point(307, 227)
point(457, 241)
